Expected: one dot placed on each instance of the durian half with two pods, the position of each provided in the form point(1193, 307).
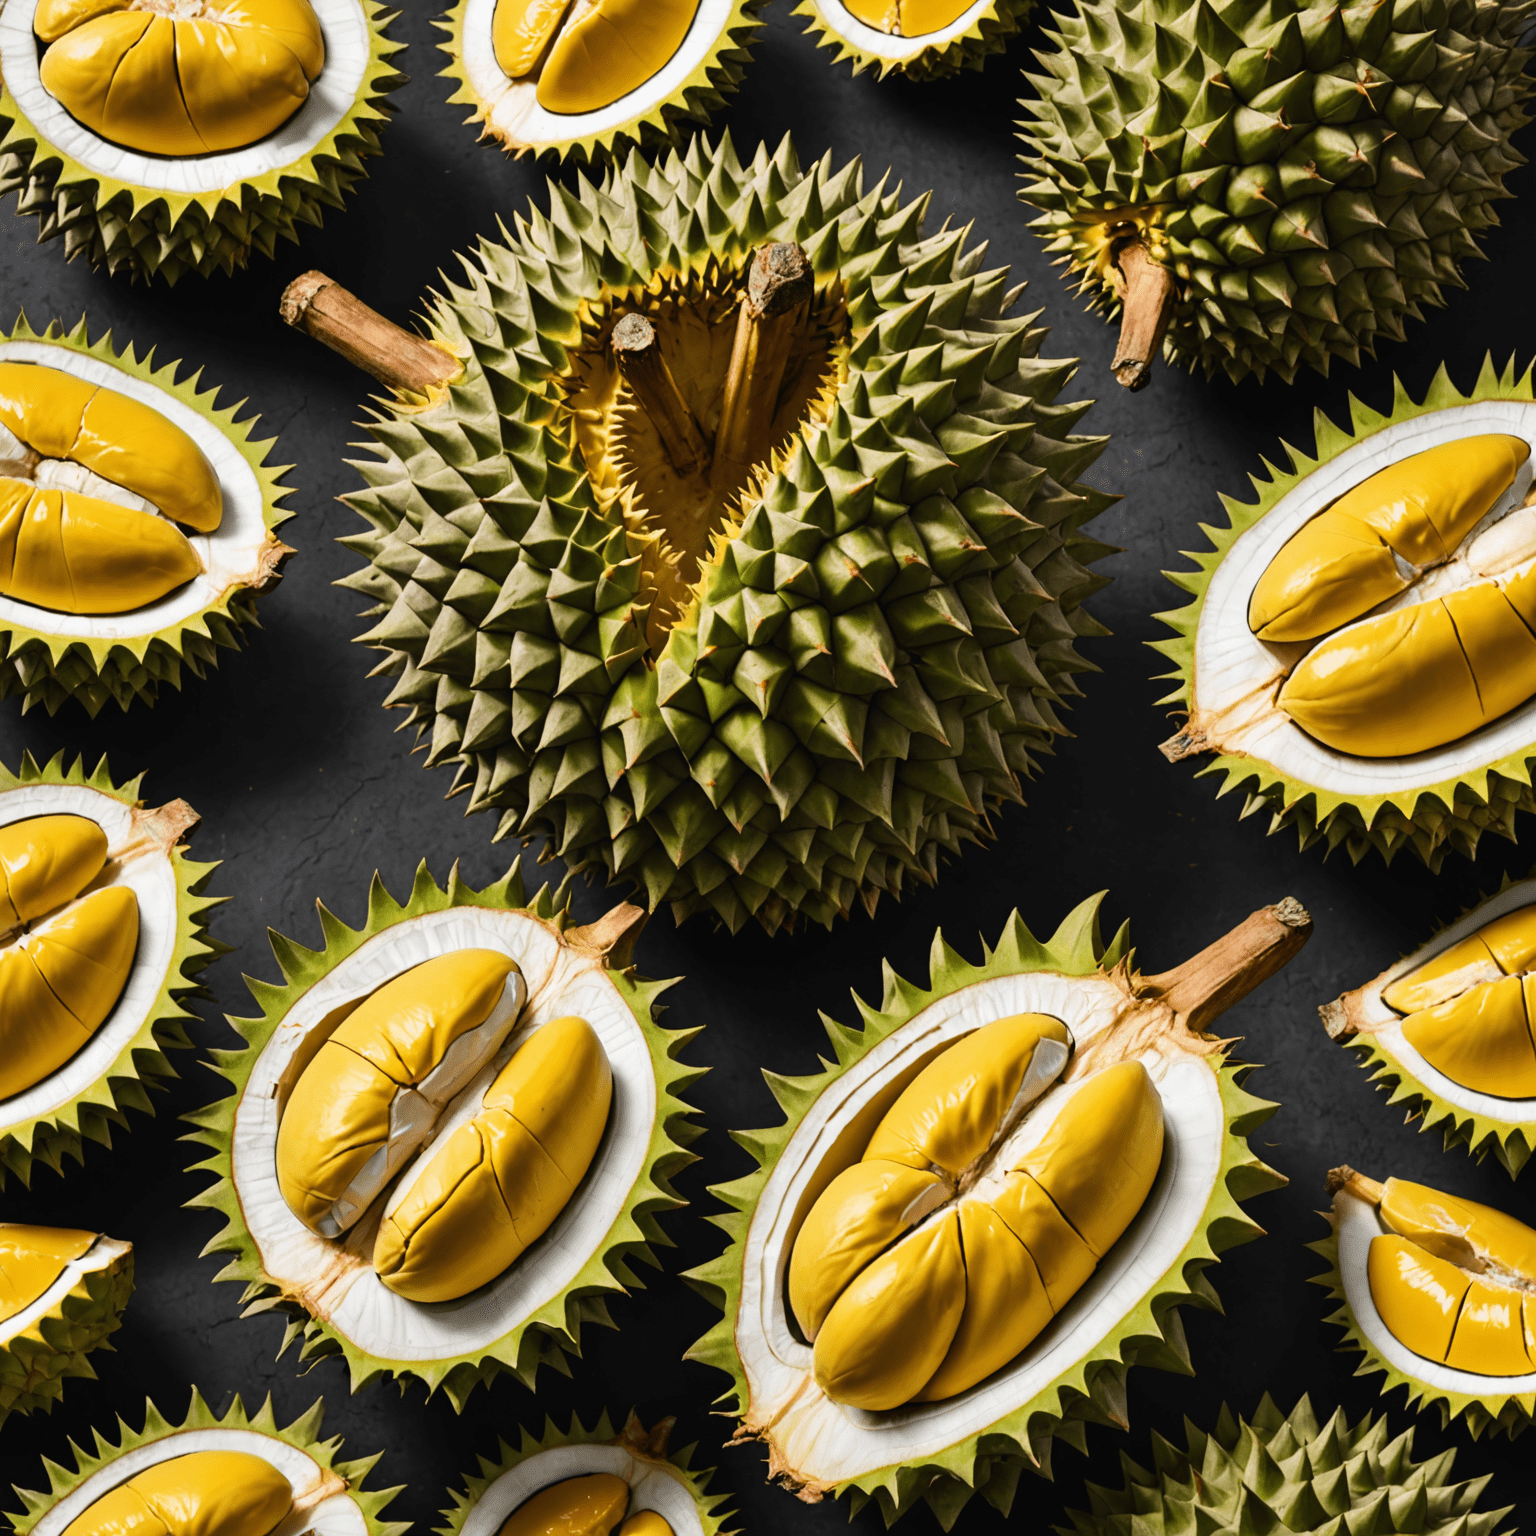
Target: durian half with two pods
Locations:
point(1264, 188)
point(465, 1100)
point(1360, 654)
point(175, 136)
point(988, 1207)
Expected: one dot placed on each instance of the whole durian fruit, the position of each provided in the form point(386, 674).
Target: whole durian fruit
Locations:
point(773, 691)
point(1275, 184)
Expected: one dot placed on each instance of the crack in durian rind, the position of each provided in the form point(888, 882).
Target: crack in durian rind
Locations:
point(989, 33)
point(303, 1434)
point(1109, 130)
point(141, 1067)
point(716, 77)
point(147, 231)
point(711, 1516)
point(555, 1328)
point(1429, 819)
point(48, 669)
point(1091, 1391)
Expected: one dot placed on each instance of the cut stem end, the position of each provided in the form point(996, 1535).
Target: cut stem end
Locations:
point(1148, 296)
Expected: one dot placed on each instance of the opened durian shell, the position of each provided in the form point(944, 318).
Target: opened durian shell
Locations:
point(151, 214)
point(982, 28)
point(1430, 803)
point(329, 1497)
point(536, 1309)
point(1125, 1314)
point(125, 1059)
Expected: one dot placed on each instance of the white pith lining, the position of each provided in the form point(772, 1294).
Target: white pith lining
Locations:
point(511, 107)
point(884, 45)
point(358, 1304)
point(1235, 673)
point(100, 1255)
point(231, 554)
point(152, 878)
point(1359, 1222)
point(335, 1515)
point(653, 1485)
point(348, 47)
point(828, 1442)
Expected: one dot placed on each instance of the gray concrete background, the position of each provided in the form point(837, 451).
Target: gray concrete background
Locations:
point(305, 790)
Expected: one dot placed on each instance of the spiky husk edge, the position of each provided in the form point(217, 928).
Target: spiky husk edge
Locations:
point(303, 1433)
point(601, 1433)
point(142, 1065)
point(988, 34)
point(1452, 814)
point(35, 1364)
point(146, 230)
point(716, 77)
point(1092, 1391)
point(555, 1327)
point(1499, 1413)
point(47, 669)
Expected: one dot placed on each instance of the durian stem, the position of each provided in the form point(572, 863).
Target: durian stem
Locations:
point(394, 356)
point(779, 288)
point(637, 350)
point(1357, 1184)
point(1147, 296)
point(612, 937)
point(1209, 983)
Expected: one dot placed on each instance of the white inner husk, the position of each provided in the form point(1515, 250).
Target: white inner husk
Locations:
point(826, 1442)
point(511, 106)
point(1359, 1222)
point(336, 1514)
point(1236, 674)
point(99, 1255)
point(348, 1294)
point(883, 45)
point(230, 555)
point(148, 871)
point(348, 47)
point(653, 1486)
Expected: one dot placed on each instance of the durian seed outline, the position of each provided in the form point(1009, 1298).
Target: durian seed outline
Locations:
point(983, 28)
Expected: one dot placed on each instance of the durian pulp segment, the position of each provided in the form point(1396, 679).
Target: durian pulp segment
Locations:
point(68, 1258)
point(680, 522)
point(923, 39)
point(232, 1493)
point(908, 18)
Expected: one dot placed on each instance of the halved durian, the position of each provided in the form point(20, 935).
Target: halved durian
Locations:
point(359, 1292)
point(1327, 732)
point(921, 39)
point(1121, 1026)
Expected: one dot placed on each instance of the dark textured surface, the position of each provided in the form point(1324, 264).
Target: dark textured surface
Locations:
point(305, 791)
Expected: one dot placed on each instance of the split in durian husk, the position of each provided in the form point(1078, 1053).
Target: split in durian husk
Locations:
point(658, 1481)
point(982, 28)
point(536, 1309)
point(125, 1059)
point(1227, 678)
point(718, 709)
point(1309, 176)
point(46, 1343)
point(150, 214)
point(693, 85)
point(329, 1497)
point(48, 657)
point(1288, 1473)
point(1125, 1314)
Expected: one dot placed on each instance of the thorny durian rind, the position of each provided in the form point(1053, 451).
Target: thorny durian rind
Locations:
point(982, 29)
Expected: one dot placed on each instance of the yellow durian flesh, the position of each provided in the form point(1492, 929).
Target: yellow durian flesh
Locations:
point(520, 32)
point(501, 1179)
point(610, 51)
point(205, 1493)
point(646, 1522)
point(46, 861)
point(31, 1259)
point(579, 1506)
point(908, 18)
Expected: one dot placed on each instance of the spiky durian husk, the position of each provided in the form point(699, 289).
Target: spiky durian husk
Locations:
point(141, 1066)
point(544, 1337)
point(303, 1434)
point(148, 232)
point(987, 33)
point(47, 668)
point(1286, 1473)
point(1429, 820)
point(716, 77)
point(828, 785)
point(1153, 107)
point(1092, 1390)
point(36, 1360)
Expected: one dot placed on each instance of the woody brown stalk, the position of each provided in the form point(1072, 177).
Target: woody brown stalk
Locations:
point(1147, 293)
point(779, 288)
point(394, 356)
point(637, 350)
